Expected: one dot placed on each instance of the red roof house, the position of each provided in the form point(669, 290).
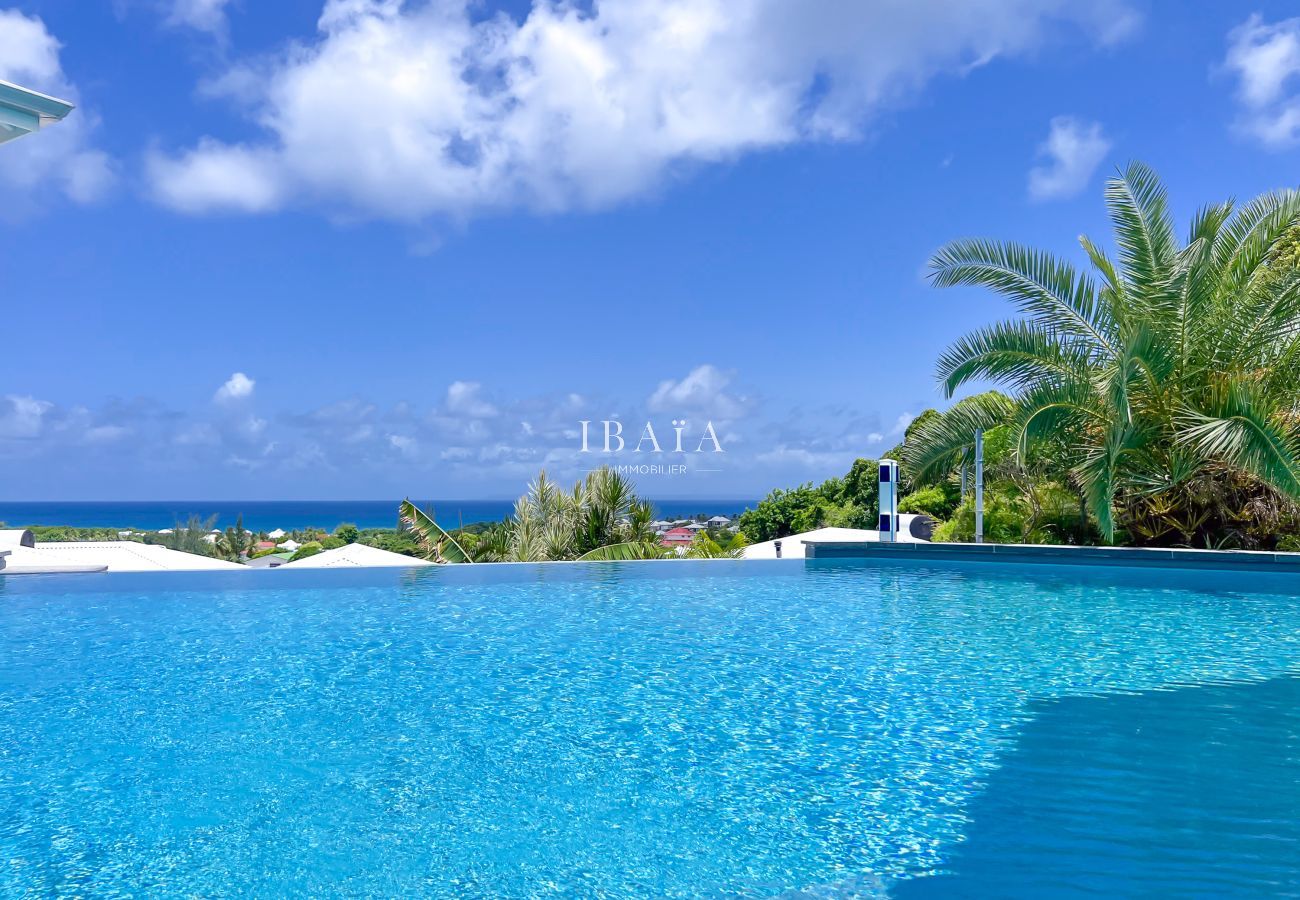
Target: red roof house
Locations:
point(677, 537)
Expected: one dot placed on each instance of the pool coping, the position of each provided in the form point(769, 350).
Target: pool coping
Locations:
point(1055, 554)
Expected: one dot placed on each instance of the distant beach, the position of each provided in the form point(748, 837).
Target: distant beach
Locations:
point(264, 515)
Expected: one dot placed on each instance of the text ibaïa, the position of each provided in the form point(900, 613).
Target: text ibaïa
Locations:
point(614, 438)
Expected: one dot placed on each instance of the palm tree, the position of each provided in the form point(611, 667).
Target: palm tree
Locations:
point(1162, 385)
point(235, 543)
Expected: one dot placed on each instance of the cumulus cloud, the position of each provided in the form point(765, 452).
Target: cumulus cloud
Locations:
point(237, 387)
point(571, 106)
point(1070, 155)
point(22, 417)
point(354, 444)
point(63, 158)
point(703, 391)
point(467, 398)
point(1266, 61)
point(201, 15)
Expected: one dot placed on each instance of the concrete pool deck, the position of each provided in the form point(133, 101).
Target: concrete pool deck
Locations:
point(1054, 554)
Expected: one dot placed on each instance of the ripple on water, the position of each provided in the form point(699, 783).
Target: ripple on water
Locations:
point(707, 729)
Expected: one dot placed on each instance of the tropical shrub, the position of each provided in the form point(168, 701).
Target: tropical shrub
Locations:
point(59, 533)
point(705, 546)
point(782, 512)
point(849, 502)
point(600, 518)
point(347, 533)
point(938, 501)
point(190, 537)
point(236, 543)
point(1161, 387)
point(1004, 521)
point(311, 548)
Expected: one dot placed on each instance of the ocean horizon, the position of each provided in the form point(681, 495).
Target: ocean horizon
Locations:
point(290, 515)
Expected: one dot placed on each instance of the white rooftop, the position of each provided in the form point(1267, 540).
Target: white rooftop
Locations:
point(106, 556)
point(357, 555)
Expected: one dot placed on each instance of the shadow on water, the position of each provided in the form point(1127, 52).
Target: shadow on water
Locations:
point(1191, 792)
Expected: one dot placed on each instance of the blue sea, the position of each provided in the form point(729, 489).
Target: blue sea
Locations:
point(721, 729)
point(266, 515)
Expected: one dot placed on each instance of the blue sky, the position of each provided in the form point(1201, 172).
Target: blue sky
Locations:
point(366, 248)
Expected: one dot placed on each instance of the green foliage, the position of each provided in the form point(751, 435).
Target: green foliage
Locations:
point(599, 518)
point(236, 543)
point(333, 542)
point(938, 501)
point(1158, 387)
point(705, 546)
point(347, 533)
point(433, 540)
point(59, 533)
point(311, 548)
point(1045, 514)
point(1004, 521)
point(628, 550)
point(848, 502)
point(862, 486)
point(403, 542)
point(188, 538)
point(782, 512)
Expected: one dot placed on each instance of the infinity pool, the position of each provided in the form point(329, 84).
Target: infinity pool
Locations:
point(685, 729)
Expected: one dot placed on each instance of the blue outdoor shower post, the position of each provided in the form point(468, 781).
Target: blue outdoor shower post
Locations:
point(888, 500)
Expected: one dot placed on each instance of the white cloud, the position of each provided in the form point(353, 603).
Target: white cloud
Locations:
point(466, 398)
point(1266, 60)
point(702, 391)
point(449, 112)
point(1071, 153)
point(61, 157)
point(404, 444)
point(201, 15)
point(104, 434)
point(22, 417)
point(237, 387)
point(215, 175)
point(901, 423)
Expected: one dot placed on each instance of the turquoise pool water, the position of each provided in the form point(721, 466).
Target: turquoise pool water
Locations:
point(710, 729)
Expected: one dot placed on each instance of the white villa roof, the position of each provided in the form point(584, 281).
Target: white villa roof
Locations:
point(110, 556)
point(356, 555)
point(277, 534)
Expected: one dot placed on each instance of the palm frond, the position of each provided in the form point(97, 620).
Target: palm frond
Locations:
point(1144, 231)
point(1010, 353)
point(935, 446)
point(628, 550)
point(1240, 425)
point(437, 544)
point(1042, 286)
